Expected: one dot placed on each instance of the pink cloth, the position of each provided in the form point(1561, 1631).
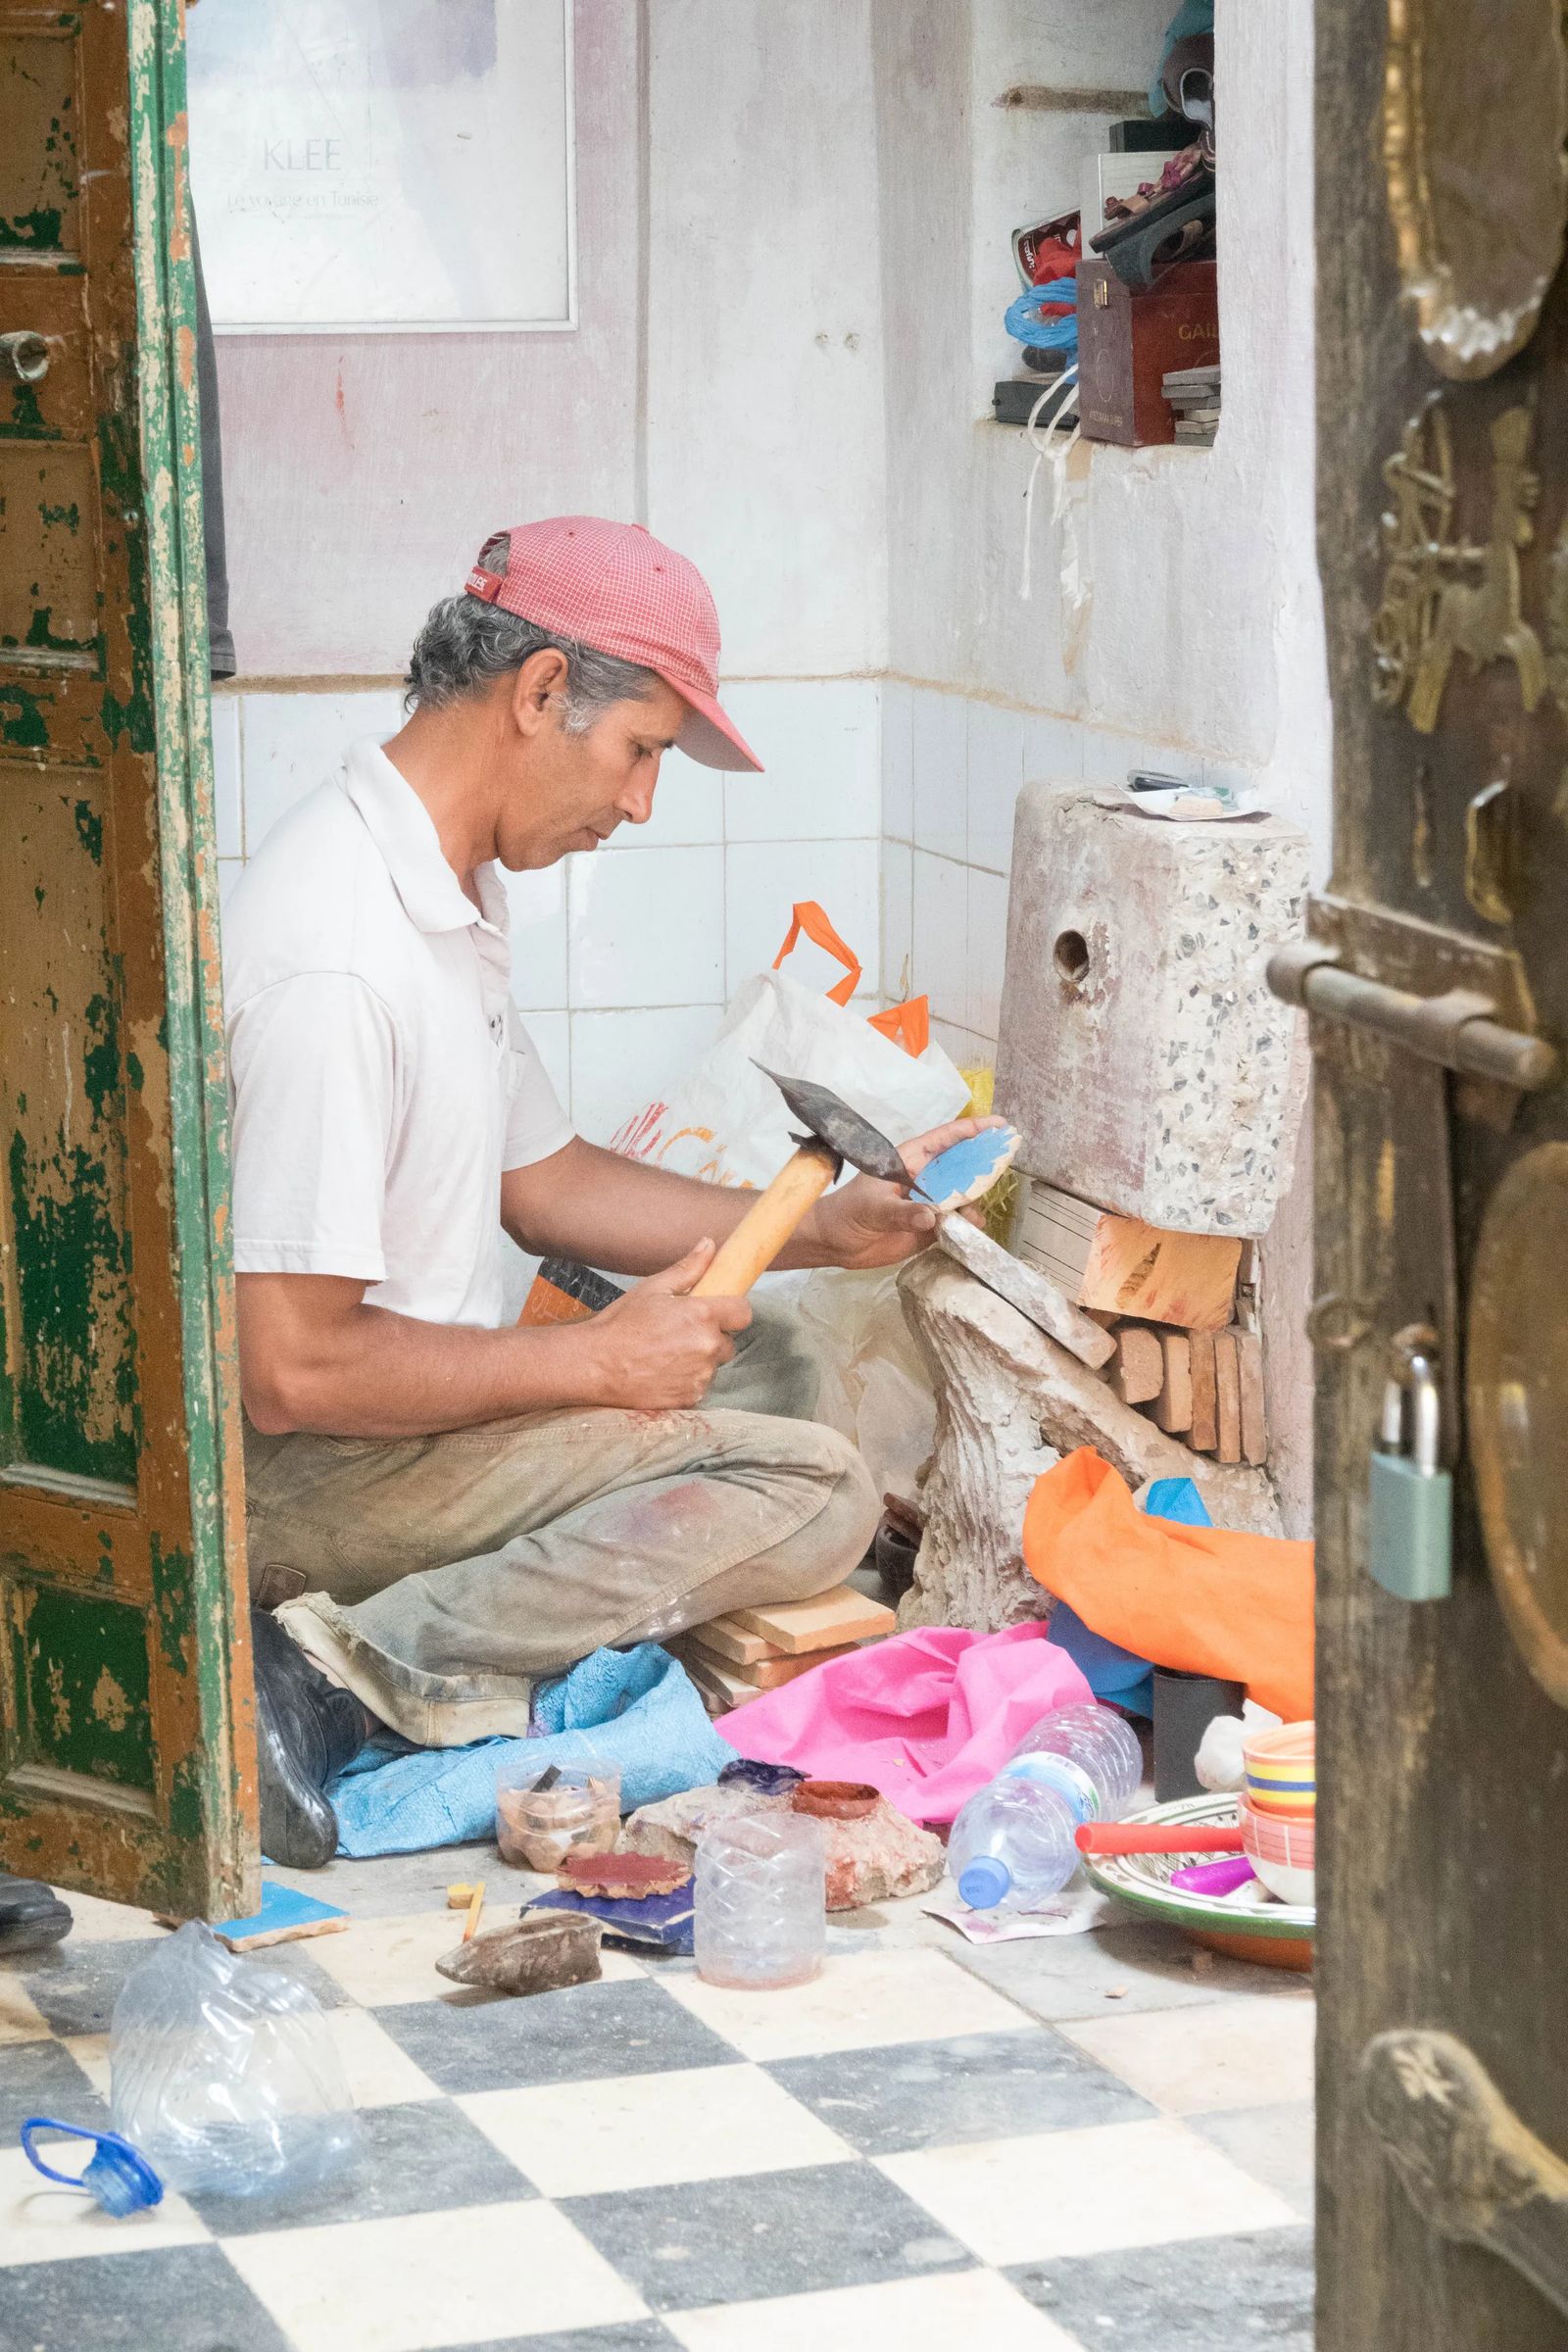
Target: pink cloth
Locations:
point(927, 1717)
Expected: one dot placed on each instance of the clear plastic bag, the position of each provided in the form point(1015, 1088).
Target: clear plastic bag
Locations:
point(225, 2074)
point(875, 1387)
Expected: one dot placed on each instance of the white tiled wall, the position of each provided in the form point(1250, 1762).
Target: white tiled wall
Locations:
point(623, 961)
point(892, 803)
point(952, 769)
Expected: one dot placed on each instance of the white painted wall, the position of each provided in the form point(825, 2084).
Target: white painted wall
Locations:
point(726, 387)
point(1201, 647)
point(765, 314)
point(1204, 629)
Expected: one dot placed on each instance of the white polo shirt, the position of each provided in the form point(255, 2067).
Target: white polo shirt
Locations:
point(379, 1077)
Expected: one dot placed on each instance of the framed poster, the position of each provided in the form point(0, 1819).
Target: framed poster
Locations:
point(361, 167)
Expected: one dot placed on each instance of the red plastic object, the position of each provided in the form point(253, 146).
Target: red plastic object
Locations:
point(836, 1800)
point(1142, 1838)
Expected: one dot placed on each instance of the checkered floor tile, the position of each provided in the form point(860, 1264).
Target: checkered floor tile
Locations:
point(905, 2153)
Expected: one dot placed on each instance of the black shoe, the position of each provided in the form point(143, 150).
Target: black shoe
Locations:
point(31, 1916)
point(307, 1729)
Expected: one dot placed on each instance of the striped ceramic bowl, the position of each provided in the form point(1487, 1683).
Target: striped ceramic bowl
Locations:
point(1281, 1768)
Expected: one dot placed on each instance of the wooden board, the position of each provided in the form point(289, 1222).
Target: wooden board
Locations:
point(1187, 1279)
point(718, 1686)
point(1204, 1435)
point(828, 1622)
point(1173, 1407)
point(1227, 1398)
point(768, 1673)
point(1255, 1418)
point(726, 1640)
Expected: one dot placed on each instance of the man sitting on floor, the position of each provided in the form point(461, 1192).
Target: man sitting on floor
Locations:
point(442, 1507)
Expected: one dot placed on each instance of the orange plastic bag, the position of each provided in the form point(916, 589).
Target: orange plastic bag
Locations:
point(908, 1024)
point(1205, 1599)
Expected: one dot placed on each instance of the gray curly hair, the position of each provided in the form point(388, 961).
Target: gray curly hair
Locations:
point(466, 645)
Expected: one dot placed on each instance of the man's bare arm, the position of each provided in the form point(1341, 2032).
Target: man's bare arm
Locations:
point(593, 1205)
point(313, 1356)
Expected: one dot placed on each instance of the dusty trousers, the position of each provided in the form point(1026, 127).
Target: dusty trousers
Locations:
point(439, 1577)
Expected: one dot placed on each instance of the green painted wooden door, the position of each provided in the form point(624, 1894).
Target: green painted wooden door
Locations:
point(127, 1763)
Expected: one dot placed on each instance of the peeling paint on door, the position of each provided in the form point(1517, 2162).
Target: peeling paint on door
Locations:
point(126, 1758)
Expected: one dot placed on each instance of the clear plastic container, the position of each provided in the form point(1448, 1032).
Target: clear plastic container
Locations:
point(224, 2072)
point(1012, 1843)
point(545, 1812)
point(760, 1901)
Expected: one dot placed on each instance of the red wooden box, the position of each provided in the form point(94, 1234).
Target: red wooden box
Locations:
point(1128, 343)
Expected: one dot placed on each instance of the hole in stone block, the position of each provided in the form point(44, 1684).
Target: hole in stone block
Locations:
point(1071, 953)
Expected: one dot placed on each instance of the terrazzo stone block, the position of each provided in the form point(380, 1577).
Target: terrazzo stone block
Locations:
point(1141, 1051)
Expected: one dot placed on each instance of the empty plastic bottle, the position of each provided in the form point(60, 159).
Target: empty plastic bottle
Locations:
point(1012, 1843)
point(761, 1917)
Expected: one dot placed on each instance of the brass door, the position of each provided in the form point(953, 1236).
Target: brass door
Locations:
point(124, 1758)
point(1443, 467)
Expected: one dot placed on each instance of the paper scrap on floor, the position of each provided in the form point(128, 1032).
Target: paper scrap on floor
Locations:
point(1075, 1911)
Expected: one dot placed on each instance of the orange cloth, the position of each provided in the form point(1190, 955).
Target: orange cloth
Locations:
point(1202, 1598)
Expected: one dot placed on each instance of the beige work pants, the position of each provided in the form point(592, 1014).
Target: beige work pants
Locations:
point(439, 1577)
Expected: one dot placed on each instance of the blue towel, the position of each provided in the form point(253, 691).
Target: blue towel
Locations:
point(632, 1707)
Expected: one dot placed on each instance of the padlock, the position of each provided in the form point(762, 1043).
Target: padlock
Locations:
point(1410, 1525)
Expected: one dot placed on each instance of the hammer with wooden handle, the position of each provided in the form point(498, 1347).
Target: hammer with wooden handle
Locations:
point(835, 1134)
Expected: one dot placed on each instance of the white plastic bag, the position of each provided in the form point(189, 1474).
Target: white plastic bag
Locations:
point(225, 2074)
point(727, 1123)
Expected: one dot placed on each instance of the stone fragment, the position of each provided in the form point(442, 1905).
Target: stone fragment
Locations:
point(870, 1860)
point(1026, 1288)
point(538, 1953)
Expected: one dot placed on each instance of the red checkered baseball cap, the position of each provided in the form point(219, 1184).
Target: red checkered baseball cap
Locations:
point(613, 586)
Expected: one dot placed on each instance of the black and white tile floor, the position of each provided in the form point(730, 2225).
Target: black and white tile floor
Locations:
point(1082, 2142)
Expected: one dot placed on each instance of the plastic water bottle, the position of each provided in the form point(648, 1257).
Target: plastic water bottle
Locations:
point(1012, 1843)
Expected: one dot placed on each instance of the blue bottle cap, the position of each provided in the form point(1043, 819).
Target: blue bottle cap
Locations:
point(116, 2175)
point(985, 1883)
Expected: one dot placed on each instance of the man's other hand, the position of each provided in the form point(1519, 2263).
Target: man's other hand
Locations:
point(869, 1223)
point(656, 1349)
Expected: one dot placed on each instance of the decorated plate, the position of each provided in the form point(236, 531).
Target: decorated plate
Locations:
point(1278, 1934)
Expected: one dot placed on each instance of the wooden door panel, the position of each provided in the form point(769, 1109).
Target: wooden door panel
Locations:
point(39, 101)
point(1442, 488)
point(73, 1370)
point(48, 571)
point(124, 1764)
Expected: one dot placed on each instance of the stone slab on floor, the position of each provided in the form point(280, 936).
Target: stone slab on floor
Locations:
point(1142, 1966)
point(1207, 2295)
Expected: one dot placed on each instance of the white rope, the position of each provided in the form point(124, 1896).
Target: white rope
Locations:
point(1067, 382)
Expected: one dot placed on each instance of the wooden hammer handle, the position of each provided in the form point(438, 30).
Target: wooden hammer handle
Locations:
point(768, 1223)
